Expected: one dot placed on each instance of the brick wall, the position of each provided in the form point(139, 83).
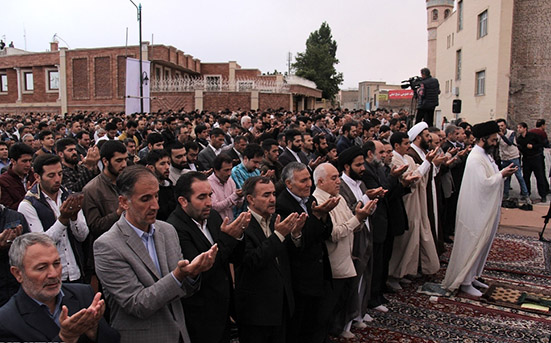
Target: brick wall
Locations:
point(174, 101)
point(247, 73)
point(218, 101)
point(216, 69)
point(530, 82)
point(273, 101)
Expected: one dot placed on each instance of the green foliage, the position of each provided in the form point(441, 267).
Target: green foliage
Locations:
point(318, 62)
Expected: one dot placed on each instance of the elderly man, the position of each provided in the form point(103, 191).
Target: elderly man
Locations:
point(199, 226)
point(339, 245)
point(478, 211)
point(310, 267)
point(139, 263)
point(44, 309)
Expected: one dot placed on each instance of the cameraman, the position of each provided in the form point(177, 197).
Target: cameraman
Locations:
point(427, 93)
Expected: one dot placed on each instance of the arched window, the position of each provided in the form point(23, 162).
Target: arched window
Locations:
point(446, 13)
point(434, 15)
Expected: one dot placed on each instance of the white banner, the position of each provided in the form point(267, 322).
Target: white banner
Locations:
point(133, 85)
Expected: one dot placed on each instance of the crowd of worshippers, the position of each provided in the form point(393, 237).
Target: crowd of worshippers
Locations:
point(273, 226)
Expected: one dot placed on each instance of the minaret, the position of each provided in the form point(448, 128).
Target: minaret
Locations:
point(437, 12)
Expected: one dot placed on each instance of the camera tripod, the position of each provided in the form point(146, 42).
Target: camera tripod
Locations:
point(545, 222)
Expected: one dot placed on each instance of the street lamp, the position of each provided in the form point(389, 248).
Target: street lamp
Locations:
point(139, 9)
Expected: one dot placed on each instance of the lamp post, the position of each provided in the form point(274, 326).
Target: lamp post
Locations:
point(139, 9)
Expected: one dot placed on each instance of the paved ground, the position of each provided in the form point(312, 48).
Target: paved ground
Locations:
point(528, 223)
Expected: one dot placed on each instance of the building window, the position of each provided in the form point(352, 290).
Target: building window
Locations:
point(483, 24)
point(167, 74)
point(158, 73)
point(480, 83)
point(458, 65)
point(446, 13)
point(28, 80)
point(447, 86)
point(3, 83)
point(213, 82)
point(435, 15)
point(245, 86)
point(460, 15)
point(53, 80)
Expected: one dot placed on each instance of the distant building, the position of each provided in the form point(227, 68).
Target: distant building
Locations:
point(349, 99)
point(377, 94)
point(64, 81)
point(493, 55)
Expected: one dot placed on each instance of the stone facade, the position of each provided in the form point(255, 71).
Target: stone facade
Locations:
point(530, 81)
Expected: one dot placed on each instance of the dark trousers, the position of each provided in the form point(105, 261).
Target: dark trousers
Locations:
point(535, 164)
point(426, 115)
point(387, 254)
point(378, 279)
point(310, 320)
point(450, 211)
point(336, 304)
point(261, 334)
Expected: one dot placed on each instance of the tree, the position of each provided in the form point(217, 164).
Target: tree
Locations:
point(318, 62)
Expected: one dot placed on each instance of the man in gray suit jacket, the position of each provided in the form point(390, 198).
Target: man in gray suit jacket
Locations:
point(139, 263)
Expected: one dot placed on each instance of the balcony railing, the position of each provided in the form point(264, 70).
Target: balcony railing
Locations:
point(216, 84)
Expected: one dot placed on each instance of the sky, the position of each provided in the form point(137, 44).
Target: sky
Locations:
point(382, 40)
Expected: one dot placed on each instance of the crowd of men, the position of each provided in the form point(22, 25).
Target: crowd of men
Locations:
point(290, 226)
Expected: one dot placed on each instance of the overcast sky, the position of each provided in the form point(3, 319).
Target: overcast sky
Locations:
point(377, 40)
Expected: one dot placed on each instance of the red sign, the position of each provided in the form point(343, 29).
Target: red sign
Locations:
point(400, 94)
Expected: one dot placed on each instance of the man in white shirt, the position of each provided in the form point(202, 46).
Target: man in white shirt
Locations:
point(50, 208)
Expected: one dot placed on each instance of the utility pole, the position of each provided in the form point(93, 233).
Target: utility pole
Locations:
point(289, 58)
point(139, 9)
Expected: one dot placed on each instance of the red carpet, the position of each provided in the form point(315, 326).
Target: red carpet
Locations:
point(414, 318)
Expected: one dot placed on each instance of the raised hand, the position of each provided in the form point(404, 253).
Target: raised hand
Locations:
point(364, 211)
point(200, 263)
point(375, 192)
point(238, 226)
point(288, 225)
point(323, 209)
point(301, 220)
point(431, 155)
point(397, 171)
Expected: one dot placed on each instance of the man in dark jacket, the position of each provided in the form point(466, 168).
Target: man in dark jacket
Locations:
point(12, 225)
point(310, 266)
point(77, 312)
point(199, 227)
point(427, 97)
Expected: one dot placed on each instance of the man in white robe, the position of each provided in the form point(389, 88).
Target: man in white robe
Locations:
point(478, 211)
point(416, 246)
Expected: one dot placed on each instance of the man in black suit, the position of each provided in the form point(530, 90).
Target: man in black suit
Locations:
point(293, 152)
point(263, 293)
point(199, 227)
point(236, 150)
point(213, 149)
point(43, 309)
point(310, 267)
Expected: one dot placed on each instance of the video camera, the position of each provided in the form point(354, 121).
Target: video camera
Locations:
point(413, 82)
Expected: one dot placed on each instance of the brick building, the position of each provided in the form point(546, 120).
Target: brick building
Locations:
point(64, 81)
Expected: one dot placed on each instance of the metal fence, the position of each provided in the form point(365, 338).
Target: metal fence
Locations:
point(217, 84)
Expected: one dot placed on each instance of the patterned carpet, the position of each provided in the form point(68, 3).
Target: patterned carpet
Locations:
point(415, 317)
